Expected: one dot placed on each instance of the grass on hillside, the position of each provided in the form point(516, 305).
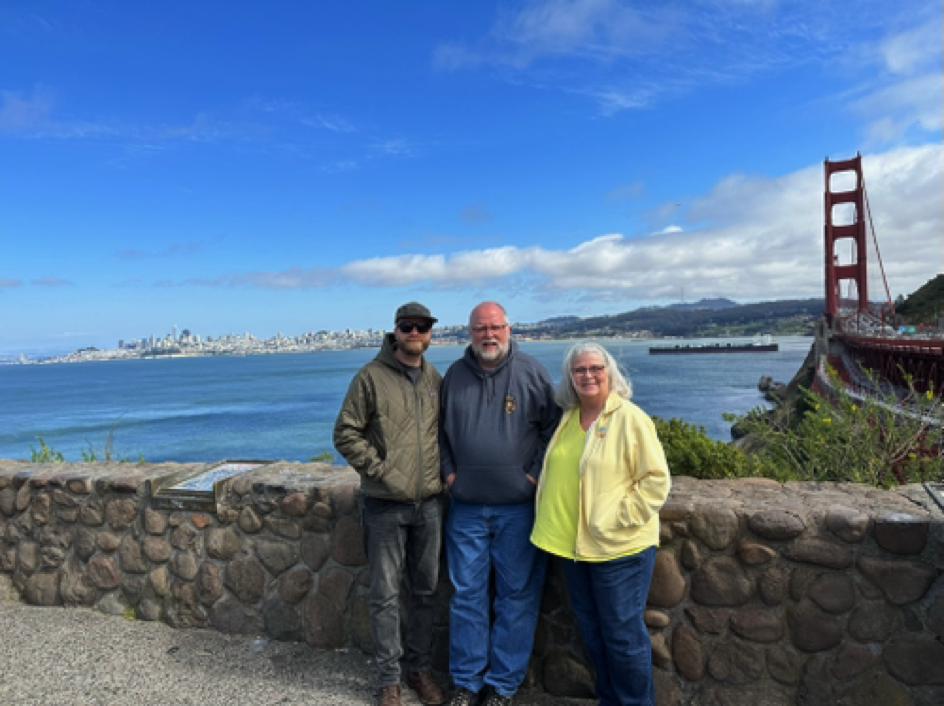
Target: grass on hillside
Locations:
point(819, 440)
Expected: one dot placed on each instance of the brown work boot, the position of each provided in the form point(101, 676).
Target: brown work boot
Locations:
point(389, 695)
point(424, 686)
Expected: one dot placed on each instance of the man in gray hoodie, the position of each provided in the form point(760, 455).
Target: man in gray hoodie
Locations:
point(497, 415)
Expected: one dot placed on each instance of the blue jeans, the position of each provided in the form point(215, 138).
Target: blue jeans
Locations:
point(479, 538)
point(403, 541)
point(609, 599)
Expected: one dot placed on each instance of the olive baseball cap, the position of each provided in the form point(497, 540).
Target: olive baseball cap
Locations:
point(414, 310)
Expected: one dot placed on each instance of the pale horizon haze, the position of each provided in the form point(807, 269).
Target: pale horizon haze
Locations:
point(289, 167)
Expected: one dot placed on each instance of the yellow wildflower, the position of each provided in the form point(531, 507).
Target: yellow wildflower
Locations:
point(929, 394)
point(827, 420)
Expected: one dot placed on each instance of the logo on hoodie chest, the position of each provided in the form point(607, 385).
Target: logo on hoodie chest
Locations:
point(510, 404)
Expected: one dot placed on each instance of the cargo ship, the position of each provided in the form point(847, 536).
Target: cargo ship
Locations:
point(764, 345)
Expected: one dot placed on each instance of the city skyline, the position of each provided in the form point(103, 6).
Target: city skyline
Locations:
point(300, 167)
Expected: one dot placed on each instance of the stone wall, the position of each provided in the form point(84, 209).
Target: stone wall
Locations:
point(763, 593)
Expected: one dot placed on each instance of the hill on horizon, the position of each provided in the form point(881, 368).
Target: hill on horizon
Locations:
point(713, 304)
point(926, 304)
point(784, 317)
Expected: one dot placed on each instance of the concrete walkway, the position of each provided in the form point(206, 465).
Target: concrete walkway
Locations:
point(73, 656)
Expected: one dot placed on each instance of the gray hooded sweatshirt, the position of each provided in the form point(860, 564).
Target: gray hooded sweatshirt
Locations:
point(495, 426)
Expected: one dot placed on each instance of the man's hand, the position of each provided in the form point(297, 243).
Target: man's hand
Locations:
point(450, 479)
point(528, 476)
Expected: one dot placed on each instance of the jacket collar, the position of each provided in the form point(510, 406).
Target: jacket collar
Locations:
point(613, 402)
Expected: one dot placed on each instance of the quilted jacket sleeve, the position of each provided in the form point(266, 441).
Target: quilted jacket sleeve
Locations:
point(352, 436)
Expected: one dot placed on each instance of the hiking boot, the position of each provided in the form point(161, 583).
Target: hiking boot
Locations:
point(424, 686)
point(464, 697)
point(496, 699)
point(389, 695)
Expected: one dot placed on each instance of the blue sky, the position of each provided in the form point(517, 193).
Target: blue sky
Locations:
point(294, 166)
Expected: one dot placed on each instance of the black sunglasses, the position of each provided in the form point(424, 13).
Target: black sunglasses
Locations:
point(409, 327)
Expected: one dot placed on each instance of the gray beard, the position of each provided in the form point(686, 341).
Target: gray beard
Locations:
point(490, 355)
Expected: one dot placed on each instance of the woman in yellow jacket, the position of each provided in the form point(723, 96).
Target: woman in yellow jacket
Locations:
point(605, 478)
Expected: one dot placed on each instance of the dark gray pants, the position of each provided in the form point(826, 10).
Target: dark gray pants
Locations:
point(403, 541)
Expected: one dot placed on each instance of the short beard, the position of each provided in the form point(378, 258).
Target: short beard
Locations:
point(413, 347)
point(490, 355)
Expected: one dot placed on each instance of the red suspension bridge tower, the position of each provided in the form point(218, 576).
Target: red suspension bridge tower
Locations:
point(859, 341)
point(856, 271)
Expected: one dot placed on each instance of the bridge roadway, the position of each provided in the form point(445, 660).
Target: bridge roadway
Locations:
point(76, 656)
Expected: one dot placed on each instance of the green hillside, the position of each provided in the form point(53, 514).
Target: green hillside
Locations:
point(924, 306)
point(779, 318)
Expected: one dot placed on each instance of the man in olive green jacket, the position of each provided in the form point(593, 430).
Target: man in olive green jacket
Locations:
point(388, 431)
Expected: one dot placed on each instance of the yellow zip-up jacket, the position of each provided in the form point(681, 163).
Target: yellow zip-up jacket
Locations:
point(624, 482)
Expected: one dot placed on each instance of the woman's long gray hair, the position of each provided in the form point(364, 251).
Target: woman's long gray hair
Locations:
point(566, 395)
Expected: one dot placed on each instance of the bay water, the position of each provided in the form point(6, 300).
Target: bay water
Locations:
point(283, 406)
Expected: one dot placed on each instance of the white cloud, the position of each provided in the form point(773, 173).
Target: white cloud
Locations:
point(914, 49)
point(905, 99)
point(894, 109)
point(396, 270)
point(760, 238)
point(591, 31)
point(595, 29)
point(463, 266)
point(627, 55)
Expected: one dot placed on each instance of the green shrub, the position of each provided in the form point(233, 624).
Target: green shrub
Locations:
point(861, 441)
point(691, 452)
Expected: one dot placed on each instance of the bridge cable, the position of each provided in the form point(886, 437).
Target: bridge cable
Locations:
point(878, 253)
